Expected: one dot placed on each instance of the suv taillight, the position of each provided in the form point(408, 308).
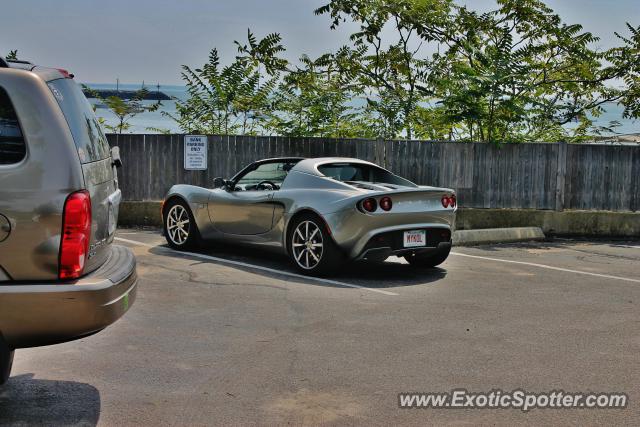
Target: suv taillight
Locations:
point(76, 232)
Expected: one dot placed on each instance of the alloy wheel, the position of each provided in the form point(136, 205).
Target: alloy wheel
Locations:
point(178, 225)
point(307, 245)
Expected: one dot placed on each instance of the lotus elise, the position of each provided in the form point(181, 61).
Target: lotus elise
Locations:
point(320, 212)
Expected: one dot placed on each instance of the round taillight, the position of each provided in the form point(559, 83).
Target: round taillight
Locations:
point(386, 204)
point(445, 201)
point(452, 201)
point(369, 204)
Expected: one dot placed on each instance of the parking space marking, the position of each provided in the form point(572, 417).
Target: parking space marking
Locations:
point(549, 267)
point(134, 242)
point(259, 267)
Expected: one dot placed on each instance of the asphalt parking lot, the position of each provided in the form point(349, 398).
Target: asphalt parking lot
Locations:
point(232, 337)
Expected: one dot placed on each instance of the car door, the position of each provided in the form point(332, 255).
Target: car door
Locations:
point(241, 212)
point(246, 206)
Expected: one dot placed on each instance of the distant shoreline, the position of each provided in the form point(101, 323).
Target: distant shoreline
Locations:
point(152, 121)
point(126, 94)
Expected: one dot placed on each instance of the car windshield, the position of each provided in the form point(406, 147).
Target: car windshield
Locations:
point(270, 173)
point(359, 172)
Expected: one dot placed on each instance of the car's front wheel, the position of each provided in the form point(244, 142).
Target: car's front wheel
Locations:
point(180, 228)
point(428, 259)
point(311, 248)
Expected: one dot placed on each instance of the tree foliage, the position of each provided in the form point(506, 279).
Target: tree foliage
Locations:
point(625, 62)
point(429, 69)
point(234, 98)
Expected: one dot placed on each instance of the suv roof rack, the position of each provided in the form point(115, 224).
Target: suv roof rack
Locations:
point(16, 63)
point(30, 66)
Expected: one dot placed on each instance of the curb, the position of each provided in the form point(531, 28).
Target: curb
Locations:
point(497, 235)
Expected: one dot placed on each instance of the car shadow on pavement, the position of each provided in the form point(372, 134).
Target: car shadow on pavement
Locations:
point(367, 274)
point(389, 274)
point(25, 400)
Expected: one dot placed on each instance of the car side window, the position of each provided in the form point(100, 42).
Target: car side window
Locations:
point(274, 173)
point(12, 146)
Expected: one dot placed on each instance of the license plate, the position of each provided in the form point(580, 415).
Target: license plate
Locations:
point(414, 238)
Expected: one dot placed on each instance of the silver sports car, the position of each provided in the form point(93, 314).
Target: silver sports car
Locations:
point(320, 212)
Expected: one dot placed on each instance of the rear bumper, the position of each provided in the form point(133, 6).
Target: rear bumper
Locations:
point(354, 231)
point(35, 314)
point(382, 253)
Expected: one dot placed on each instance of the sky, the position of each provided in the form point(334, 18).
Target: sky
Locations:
point(136, 40)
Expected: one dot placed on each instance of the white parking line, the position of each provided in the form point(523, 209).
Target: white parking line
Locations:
point(259, 267)
point(549, 267)
point(135, 242)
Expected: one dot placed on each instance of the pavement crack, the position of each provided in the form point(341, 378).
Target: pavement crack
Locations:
point(193, 277)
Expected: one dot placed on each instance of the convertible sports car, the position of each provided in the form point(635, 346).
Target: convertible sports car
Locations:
point(320, 212)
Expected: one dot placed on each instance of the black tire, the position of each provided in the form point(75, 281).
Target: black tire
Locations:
point(305, 255)
point(174, 231)
point(6, 362)
point(430, 259)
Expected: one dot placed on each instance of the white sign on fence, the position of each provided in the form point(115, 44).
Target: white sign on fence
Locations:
point(195, 152)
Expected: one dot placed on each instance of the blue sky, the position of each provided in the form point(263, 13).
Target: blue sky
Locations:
point(148, 40)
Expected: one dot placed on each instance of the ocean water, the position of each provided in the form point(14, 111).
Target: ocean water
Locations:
point(144, 122)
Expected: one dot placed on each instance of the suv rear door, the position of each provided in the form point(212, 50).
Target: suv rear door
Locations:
point(97, 167)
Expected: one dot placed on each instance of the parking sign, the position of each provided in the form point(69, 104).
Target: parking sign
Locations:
point(195, 152)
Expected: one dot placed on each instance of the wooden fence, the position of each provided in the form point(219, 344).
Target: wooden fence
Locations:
point(533, 176)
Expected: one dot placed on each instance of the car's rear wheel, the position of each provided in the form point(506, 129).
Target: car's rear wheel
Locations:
point(6, 362)
point(430, 259)
point(180, 228)
point(311, 248)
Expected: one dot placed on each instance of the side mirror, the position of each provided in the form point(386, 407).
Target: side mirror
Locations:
point(219, 182)
point(115, 157)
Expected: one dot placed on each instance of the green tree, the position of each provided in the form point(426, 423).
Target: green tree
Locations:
point(625, 64)
point(391, 73)
point(520, 73)
point(316, 99)
point(233, 98)
point(429, 69)
point(516, 73)
point(13, 55)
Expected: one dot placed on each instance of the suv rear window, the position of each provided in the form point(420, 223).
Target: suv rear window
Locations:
point(91, 143)
point(12, 146)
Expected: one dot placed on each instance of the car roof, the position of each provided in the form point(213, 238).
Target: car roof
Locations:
point(309, 165)
point(305, 165)
point(45, 73)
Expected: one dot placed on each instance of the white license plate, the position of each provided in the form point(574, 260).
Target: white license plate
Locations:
point(414, 238)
